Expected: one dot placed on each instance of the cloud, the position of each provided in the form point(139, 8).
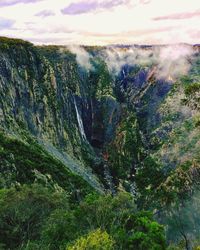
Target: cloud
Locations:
point(170, 62)
point(173, 61)
point(45, 13)
point(6, 23)
point(5, 3)
point(90, 6)
point(129, 33)
point(116, 58)
point(178, 16)
point(82, 56)
point(145, 1)
point(195, 34)
point(106, 21)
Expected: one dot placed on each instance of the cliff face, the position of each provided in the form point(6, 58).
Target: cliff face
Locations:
point(45, 93)
point(41, 96)
point(101, 127)
point(35, 94)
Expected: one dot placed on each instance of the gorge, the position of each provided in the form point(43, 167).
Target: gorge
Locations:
point(99, 138)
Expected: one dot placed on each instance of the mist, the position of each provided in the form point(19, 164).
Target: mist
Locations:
point(182, 220)
point(83, 58)
point(116, 58)
point(173, 61)
point(170, 62)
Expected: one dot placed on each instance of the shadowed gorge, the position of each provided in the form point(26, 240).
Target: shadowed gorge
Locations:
point(99, 144)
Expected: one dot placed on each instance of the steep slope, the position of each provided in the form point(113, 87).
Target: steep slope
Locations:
point(71, 112)
point(25, 162)
point(36, 96)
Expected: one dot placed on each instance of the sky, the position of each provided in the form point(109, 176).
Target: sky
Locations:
point(101, 22)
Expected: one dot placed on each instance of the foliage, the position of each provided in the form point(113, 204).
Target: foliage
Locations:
point(148, 178)
point(36, 218)
point(147, 234)
point(182, 219)
point(100, 79)
point(60, 228)
point(43, 205)
point(97, 240)
point(23, 211)
point(180, 184)
point(25, 163)
point(126, 149)
point(192, 93)
point(119, 217)
point(6, 42)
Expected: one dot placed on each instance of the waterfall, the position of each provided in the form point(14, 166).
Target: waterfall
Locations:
point(80, 122)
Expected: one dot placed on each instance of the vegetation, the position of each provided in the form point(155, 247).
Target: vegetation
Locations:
point(102, 79)
point(94, 240)
point(6, 43)
point(34, 217)
point(125, 150)
point(192, 99)
point(26, 163)
point(23, 211)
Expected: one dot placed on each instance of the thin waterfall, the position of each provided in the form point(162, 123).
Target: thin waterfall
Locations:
point(80, 122)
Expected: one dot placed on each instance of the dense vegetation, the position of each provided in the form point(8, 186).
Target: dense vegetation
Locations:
point(27, 163)
point(34, 217)
point(6, 43)
point(44, 206)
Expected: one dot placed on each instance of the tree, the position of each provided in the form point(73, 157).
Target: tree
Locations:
point(23, 211)
point(146, 233)
point(119, 217)
point(60, 228)
point(95, 240)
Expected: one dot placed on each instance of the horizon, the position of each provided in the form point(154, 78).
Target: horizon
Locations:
point(106, 45)
point(101, 22)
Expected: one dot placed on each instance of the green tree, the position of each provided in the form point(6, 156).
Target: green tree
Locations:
point(95, 240)
point(23, 211)
point(146, 233)
point(148, 177)
point(119, 217)
point(102, 79)
point(60, 228)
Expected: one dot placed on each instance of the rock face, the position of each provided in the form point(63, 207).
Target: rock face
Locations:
point(44, 91)
point(99, 126)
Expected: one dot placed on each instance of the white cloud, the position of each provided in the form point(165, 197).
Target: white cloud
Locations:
point(82, 56)
point(173, 61)
point(169, 62)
